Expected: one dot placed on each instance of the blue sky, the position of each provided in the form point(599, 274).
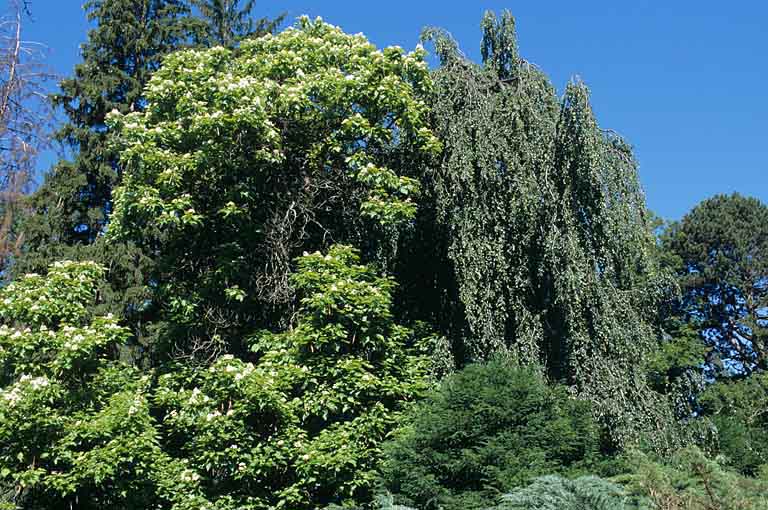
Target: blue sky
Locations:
point(684, 81)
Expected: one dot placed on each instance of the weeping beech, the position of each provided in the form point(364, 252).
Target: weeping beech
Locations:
point(546, 231)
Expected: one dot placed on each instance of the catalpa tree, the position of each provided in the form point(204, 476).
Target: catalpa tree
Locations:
point(243, 159)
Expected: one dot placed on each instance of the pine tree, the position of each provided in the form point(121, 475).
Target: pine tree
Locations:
point(69, 212)
point(720, 253)
point(226, 23)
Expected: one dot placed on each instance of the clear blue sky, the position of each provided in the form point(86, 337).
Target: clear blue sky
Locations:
point(685, 81)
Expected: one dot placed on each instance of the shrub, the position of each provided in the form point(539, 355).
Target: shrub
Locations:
point(557, 493)
point(688, 480)
point(485, 430)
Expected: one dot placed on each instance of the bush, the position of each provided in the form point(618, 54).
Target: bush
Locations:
point(688, 480)
point(557, 493)
point(485, 430)
point(299, 429)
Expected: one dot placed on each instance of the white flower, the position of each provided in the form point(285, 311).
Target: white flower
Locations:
point(189, 476)
point(39, 382)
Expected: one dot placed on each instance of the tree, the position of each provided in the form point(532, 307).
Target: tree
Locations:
point(546, 232)
point(71, 209)
point(721, 248)
point(487, 429)
point(24, 121)
point(74, 426)
point(227, 23)
point(303, 427)
point(244, 159)
point(739, 410)
point(299, 429)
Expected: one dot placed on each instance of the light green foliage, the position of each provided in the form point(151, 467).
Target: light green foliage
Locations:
point(298, 429)
point(351, 368)
point(487, 429)
point(557, 493)
point(71, 422)
point(302, 427)
point(68, 213)
point(688, 480)
point(229, 434)
point(546, 231)
point(242, 158)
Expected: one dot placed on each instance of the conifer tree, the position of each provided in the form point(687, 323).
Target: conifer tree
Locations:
point(720, 253)
point(226, 22)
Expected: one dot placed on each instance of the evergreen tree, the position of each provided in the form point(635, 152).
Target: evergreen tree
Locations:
point(226, 22)
point(689, 480)
point(546, 230)
point(720, 253)
point(739, 410)
point(487, 429)
point(71, 209)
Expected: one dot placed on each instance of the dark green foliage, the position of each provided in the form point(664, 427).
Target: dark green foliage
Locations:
point(721, 250)
point(226, 22)
point(558, 493)
point(383, 502)
point(488, 428)
point(125, 48)
point(739, 410)
point(546, 231)
point(676, 367)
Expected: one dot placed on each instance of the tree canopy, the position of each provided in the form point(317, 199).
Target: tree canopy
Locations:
point(245, 158)
point(486, 430)
point(288, 270)
point(546, 229)
point(721, 255)
point(226, 23)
